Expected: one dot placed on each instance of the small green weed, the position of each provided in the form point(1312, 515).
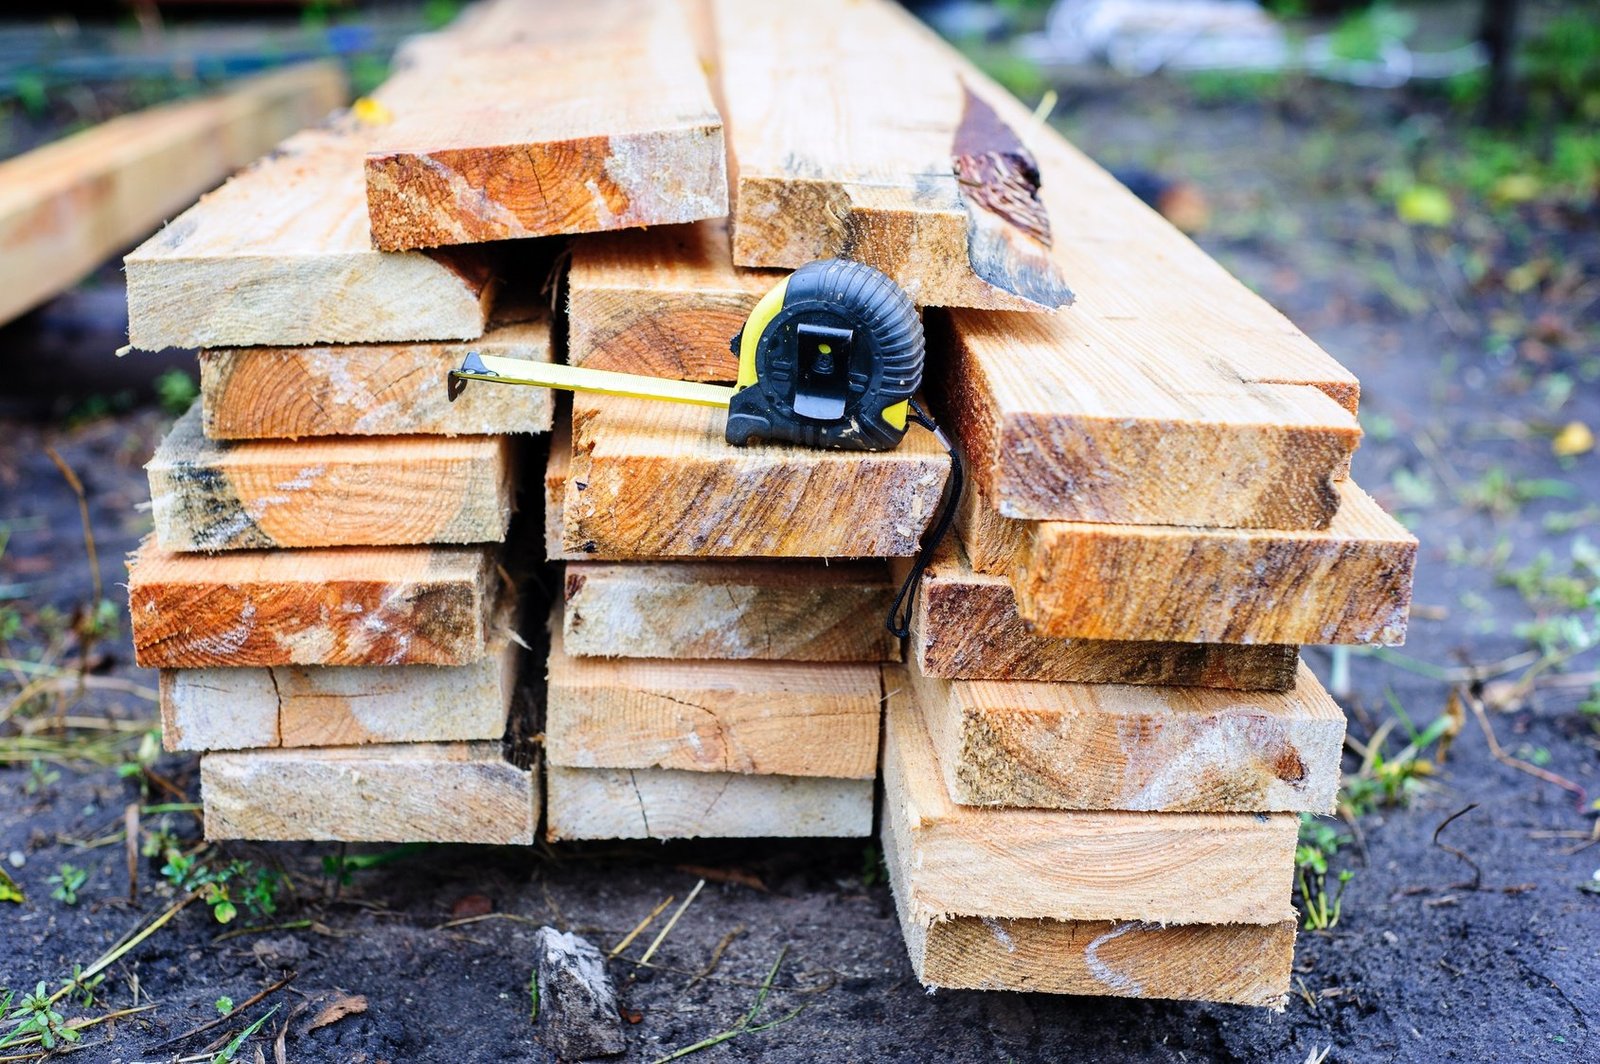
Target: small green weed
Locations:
point(1364, 34)
point(1322, 904)
point(68, 881)
point(231, 1050)
point(341, 867)
point(873, 870)
point(35, 1017)
point(176, 391)
point(1500, 493)
point(436, 14)
point(41, 777)
point(224, 889)
point(224, 1005)
point(83, 987)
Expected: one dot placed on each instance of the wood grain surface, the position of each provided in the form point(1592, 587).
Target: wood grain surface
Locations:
point(338, 705)
point(1242, 964)
point(1124, 747)
point(405, 792)
point(1348, 583)
point(747, 717)
point(1167, 868)
point(368, 491)
point(965, 626)
point(659, 803)
point(788, 610)
point(280, 255)
point(846, 121)
point(336, 606)
point(665, 302)
point(260, 393)
point(536, 118)
point(651, 479)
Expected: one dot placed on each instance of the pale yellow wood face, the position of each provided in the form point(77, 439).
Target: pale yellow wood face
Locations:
point(1169, 868)
point(1244, 964)
point(746, 717)
point(660, 480)
point(66, 207)
point(663, 302)
point(280, 255)
point(791, 610)
point(966, 627)
point(374, 794)
point(322, 705)
point(1099, 746)
point(1348, 583)
point(595, 803)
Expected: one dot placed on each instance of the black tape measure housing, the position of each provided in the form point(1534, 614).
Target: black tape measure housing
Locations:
point(836, 364)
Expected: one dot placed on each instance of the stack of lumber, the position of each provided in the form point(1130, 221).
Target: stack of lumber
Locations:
point(1096, 752)
point(326, 591)
point(1095, 744)
point(1095, 756)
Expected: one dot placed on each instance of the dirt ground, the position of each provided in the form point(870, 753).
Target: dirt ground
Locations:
point(1489, 953)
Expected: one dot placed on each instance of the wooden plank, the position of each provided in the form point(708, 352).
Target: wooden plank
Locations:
point(650, 479)
point(1242, 964)
point(377, 491)
point(555, 489)
point(1069, 418)
point(1118, 746)
point(786, 611)
point(407, 792)
point(68, 206)
point(280, 255)
point(616, 129)
point(1168, 868)
point(318, 705)
point(965, 626)
point(664, 302)
point(745, 717)
point(660, 803)
point(344, 606)
point(256, 393)
point(1350, 583)
point(863, 161)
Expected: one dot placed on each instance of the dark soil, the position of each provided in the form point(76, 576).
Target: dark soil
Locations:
point(1458, 378)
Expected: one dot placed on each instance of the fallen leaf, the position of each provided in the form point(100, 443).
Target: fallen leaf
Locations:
point(1575, 438)
point(631, 1015)
point(471, 905)
point(9, 891)
point(338, 1009)
point(1424, 205)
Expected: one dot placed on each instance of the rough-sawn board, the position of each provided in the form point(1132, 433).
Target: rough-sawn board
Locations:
point(384, 490)
point(536, 118)
point(345, 606)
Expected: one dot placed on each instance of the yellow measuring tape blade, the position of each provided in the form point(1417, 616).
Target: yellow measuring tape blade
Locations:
point(604, 382)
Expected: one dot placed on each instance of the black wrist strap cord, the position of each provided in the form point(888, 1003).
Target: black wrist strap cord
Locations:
point(899, 621)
